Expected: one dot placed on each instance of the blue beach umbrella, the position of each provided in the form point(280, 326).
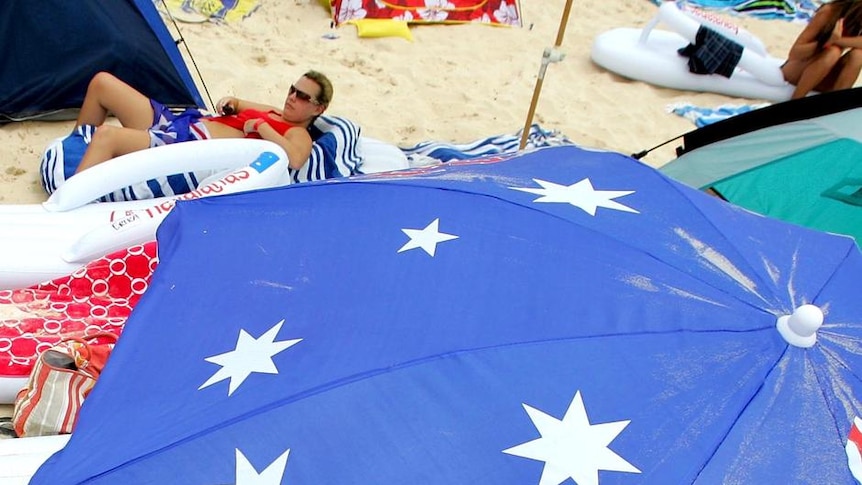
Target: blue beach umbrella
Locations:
point(560, 316)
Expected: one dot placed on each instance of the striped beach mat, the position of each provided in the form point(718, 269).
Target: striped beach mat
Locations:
point(430, 152)
point(702, 116)
point(790, 10)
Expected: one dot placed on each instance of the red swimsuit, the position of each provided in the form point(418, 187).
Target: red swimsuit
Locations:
point(238, 120)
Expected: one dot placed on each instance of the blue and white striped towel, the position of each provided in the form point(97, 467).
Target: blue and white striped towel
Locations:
point(430, 152)
point(701, 116)
point(790, 10)
point(334, 152)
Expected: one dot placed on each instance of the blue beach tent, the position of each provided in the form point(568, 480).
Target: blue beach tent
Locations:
point(51, 49)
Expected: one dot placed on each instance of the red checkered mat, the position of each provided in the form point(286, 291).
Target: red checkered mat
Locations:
point(96, 298)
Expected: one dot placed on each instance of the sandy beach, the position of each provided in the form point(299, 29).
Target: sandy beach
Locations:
point(454, 83)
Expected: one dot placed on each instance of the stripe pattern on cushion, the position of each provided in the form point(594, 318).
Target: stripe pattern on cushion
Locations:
point(335, 152)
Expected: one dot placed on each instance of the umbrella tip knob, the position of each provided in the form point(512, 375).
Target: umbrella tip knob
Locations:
point(800, 328)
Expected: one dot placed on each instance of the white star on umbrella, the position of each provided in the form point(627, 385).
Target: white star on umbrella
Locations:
point(580, 194)
point(250, 355)
point(427, 238)
point(573, 448)
point(272, 475)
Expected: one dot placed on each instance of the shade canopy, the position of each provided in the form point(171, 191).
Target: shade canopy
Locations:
point(559, 314)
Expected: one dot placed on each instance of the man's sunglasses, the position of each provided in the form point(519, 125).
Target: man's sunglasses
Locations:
point(302, 95)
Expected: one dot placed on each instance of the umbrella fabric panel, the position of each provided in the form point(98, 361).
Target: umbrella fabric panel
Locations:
point(419, 422)
point(825, 181)
point(603, 296)
point(734, 237)
point(839, 351)
point(782, 435)
point(839, 295)
point(775, 262)
point(810, 400)
point(666, 233)
point(280, 279)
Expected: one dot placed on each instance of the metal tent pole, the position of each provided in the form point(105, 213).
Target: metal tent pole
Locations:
point(550, 55)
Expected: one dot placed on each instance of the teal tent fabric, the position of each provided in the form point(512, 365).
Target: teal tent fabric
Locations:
point(831, 186)
point(807, 172)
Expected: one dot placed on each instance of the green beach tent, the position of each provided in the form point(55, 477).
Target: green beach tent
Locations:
point(799, 161)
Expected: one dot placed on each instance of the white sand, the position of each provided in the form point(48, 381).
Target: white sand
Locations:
point(454, 83)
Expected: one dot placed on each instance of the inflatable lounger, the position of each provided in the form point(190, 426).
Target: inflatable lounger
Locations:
point(67, 231)
point(651, 55)
point(72, 267)
point(21, 457)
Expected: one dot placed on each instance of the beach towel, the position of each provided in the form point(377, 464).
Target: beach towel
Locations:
point(209, 10)
point(702, 116)
point(97, 298)
point(335, 151)
point(431, 152)
point(789, 10)
point(801, 10)
point(376, 18)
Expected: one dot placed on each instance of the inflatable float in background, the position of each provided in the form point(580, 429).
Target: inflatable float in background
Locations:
point(651, 55)
point(54, 239)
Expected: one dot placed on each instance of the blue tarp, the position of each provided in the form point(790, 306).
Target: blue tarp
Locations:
point(51, 49)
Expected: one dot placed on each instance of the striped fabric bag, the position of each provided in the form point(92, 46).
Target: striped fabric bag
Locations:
point(61, 379)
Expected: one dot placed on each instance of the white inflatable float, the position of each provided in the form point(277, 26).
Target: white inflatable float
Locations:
point(40, 242)
point(43, 242)
point(21, 457)
point(651, 55)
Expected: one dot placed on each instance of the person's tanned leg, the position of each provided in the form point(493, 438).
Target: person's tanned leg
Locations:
point(105, 94)
point(816, 71)
point(111, 141)
point(851, 65)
